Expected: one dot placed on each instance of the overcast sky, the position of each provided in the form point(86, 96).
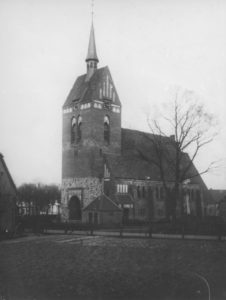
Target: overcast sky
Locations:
point(150, 46)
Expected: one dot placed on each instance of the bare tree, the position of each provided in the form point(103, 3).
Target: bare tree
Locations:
point(191, 128)
point(38, 196)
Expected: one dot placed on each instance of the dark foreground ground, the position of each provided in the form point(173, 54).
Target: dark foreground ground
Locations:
point(86, 267)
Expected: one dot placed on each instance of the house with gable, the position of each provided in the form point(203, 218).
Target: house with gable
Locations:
point(8, 197)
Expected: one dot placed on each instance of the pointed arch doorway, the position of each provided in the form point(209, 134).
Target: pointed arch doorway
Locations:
point(74, 207)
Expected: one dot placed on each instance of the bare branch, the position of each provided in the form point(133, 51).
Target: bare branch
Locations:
point(191, 125)
point(211, 167)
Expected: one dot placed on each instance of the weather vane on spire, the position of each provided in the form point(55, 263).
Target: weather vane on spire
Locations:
point(92, 9)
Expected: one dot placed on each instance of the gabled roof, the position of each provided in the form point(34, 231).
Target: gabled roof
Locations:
point(84, 91)
point(132, 140)
point(8, 173)
point(131, 164)
point(138, 154)
point(131, 167)
point(77, 90)
point(102, 203)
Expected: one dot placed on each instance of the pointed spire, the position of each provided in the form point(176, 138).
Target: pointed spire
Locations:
point(91, 59)
point(92, 54)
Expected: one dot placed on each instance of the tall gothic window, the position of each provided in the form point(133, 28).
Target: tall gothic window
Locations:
point(107, 130)
point(73, 129)
point(79, 129)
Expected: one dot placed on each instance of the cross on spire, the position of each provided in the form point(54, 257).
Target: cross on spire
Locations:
point(92, 9)
point(91, 58)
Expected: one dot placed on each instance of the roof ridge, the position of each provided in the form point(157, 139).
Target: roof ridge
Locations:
point(8, 173)
point(145, 132)
point(98, 69)
point(111, 200)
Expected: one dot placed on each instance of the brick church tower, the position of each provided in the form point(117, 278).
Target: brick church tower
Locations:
point(91, 128)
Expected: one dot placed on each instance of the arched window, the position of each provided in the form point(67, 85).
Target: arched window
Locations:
point(73, 129)
point(107, 130)
point(79, 129)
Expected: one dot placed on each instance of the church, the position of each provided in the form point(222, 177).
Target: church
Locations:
point(104, 179)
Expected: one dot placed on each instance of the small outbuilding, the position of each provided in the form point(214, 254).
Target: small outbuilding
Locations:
point(8, 197)
point(102, 210)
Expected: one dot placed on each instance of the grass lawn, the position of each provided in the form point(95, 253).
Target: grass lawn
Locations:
point(71, 267)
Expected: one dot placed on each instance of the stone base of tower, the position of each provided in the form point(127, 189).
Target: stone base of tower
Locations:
point(77, 193)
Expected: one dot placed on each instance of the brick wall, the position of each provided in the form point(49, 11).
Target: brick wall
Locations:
point(145, 206)
point(77, 158)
